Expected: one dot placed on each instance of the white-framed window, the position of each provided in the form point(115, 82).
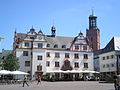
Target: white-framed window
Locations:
point(55, 46)
point(85, 65)
point(57, 64)
point(27, 44)
point(39, 57)
point(47, 54)
point(76, 47)
point(25, 53)
point(76, 64)
point(40, 45)
point(85, 56)
point(76, 56)
point(47, 63)
point(27, 63)
point(57, 55)
point(84, 47)
point(66, 55)
point(39, 68)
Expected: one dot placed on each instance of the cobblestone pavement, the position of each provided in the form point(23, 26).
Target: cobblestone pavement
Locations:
point(71, 85)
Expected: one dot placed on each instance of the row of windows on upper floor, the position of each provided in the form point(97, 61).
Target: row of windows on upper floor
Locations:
point(108, 57)
point(84, 47)
point(109, 65)
point(57, 64)
point(40, 45)
point(57, 55)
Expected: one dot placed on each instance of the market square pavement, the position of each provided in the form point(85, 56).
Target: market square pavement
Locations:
point(63, 85)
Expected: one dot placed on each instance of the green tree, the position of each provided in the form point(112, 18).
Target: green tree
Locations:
point(11, 62)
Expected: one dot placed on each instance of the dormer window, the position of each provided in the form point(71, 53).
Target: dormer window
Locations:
point(31, 37)
point(48, 45)
point(64, 46)
point(55, 46)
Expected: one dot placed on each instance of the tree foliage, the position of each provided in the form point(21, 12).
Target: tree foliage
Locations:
point(11, 62)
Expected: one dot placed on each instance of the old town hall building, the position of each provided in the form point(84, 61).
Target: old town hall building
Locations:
point(39, 53)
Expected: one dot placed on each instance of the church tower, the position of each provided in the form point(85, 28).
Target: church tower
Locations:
point(93, 33)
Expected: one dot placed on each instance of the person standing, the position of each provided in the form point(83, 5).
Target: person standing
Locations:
point(39, 80)
point(116, 82)
point(25, 81)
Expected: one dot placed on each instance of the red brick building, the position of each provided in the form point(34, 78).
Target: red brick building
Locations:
point(93, 33)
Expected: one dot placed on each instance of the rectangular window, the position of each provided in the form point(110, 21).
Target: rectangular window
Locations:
point(39, 57)
point(112, 65)
point(85, 65)
point(57, 64)
point(39, 68)
point(107, 65)
point(76, 64)
point(76, 46)
point(47, 63)
point(31, 37)
point(57, 55)
point(112, 56)
point(84, 47)
point(27, 44)
point(66, 55)
point(103, 58)
point(48, 54)
point(40, 45)
point(25, 53)
point(104, 66)
point(85, 56)
point(27, 63)
point(107, 57)
point(76, 56)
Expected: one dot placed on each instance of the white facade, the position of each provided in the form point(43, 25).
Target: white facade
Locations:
point(39, 53)
point(108, 61)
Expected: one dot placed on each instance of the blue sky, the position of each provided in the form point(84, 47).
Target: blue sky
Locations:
point(69, 17)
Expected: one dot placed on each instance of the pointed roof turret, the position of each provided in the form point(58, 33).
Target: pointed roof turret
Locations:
point(53, 30)
point(40, 32)
point(32, 29)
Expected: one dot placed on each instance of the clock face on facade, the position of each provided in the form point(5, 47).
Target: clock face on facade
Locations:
point(40, 38)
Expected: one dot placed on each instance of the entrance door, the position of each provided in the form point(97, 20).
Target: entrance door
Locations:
point(67, 76)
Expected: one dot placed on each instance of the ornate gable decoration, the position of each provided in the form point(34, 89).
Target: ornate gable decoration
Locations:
point(32, 32)
point(31, 35)
point(40, 36)
point(80, 39)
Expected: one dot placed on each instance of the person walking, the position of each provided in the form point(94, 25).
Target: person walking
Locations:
point(25, 81)
point(39, 80)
